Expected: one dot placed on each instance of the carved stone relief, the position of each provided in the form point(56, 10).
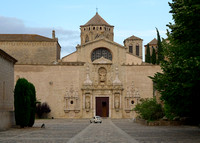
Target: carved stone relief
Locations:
point(87, 102)
point(131, 98)
point(71, 100)
point(117, 101)
point(102, 75)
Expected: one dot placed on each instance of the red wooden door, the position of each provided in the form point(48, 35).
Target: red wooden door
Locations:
point(102, 106)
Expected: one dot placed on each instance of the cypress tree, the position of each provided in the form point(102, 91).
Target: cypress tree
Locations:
point(160, 48)
point(154, 56)
point(22, 102)
point(32, 104)
point(148, 56)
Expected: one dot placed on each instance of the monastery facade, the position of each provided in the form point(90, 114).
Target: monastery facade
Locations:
point(101, 77)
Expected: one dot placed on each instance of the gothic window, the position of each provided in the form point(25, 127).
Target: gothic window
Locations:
point(86, 38)
point(101, 52)
point(137, 50)
point(130, 49)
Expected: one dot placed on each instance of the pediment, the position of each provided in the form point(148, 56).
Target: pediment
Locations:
point(102, 60)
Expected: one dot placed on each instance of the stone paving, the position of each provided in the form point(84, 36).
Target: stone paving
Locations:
point(159, 134)
point(110, 131)
point(55, 131)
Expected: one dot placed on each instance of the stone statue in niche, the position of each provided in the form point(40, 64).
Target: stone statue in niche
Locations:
point(117, 103)
point(87, 103)
point(102, 75)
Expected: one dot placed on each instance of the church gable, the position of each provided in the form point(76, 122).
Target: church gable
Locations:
point(115, 54)
point(70, 58)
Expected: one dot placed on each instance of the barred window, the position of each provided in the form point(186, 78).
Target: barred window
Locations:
point(101, 52)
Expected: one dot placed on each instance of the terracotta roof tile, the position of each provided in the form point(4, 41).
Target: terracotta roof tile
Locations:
point(153, 42)
point(25, 38)
point(133, 38)
point(96, 20)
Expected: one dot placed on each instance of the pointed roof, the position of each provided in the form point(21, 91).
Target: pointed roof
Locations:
point(133, 38)
point(97, 20)
point(153, 42)
point(24, 38)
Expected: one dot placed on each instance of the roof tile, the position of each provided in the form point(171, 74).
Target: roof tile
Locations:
point(25, 38)
point(96, 20)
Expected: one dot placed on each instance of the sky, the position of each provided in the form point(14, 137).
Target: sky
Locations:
point(130, 17)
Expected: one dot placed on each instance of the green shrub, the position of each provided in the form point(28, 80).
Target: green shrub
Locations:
point(149, 109)
point(22, 102)
point(42, 109)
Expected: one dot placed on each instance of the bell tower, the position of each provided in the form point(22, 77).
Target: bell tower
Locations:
point(96, 28)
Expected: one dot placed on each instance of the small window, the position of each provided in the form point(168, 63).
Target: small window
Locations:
point(132, 102)
point(84, 29)
point(100, 28)
point(130, 49)
point(72, 102)
point(137, 50)
point(89, 28)
point(93, 28)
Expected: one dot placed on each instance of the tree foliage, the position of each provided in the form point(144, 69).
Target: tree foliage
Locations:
point(149, 109)
point(180, 81)
point(32, 104)
point(153, 61)
point(160, 48)
point(148, 55)
point(24, 101)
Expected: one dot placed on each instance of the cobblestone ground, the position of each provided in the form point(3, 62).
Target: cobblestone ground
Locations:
point(159, 134)
point(115, 130)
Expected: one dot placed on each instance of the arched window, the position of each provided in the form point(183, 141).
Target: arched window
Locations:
point(101, 52)
point(86, 38)
point(137, 50)
point(131, 49)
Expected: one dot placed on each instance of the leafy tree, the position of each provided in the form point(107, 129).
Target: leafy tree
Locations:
point(148, 56)
point(160, 48)
point(180, 81)
point(22, 102)
point(32, 104)
point(153, 57)
point(149, 109)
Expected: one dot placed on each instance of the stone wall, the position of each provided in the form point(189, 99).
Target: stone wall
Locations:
point(54, 84)
point(61, 87)
point(6, 93)
point(32, 52)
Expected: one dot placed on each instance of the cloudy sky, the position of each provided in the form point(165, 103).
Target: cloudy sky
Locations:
point(130, 17)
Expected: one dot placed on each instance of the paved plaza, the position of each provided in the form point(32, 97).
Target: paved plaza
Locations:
point(110, 131)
